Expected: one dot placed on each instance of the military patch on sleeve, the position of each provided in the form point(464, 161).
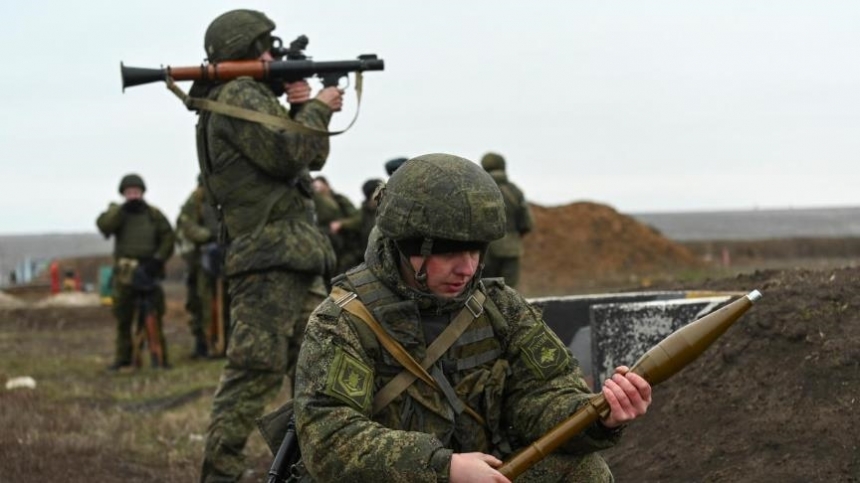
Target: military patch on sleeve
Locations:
point(349, 380)
point(544, 353)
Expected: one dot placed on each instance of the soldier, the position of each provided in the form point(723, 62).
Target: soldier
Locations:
point(392, 165)
point(503, 259)
point(259, 177)
point(364, 219)
point(500, 377)
point(198, 225)
point(331, 207)
point(143, 241)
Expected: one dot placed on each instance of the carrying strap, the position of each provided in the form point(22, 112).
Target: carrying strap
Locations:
point(474, 308)
point(196, 103)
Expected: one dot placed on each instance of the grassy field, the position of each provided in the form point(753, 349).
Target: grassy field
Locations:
point(92, 425)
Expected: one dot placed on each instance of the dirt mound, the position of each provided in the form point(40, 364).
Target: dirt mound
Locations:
point(774, 399)
point(574, 244)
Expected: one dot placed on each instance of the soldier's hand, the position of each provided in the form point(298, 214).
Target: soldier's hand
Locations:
point(335, 226)
point(628, 396)
point(332, 97)
point(298, 92)
point(475, 467)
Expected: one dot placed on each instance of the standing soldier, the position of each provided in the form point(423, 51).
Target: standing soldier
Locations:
point(503, 259)
point(198, 224)
point(331, 207)
point(259, 177)
point(363, 220)
point(143, 241)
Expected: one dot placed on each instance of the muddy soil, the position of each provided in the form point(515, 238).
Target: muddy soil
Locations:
point(774, 400)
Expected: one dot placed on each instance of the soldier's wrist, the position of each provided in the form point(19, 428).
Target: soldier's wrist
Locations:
point(440, 463)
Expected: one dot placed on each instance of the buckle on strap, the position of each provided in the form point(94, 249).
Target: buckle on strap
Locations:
point(345, 299)
point(474, 306)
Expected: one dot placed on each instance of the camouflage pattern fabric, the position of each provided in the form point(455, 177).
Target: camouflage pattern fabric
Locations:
point(346, 244)
point(263, 348)
point(198, 223)
point(126, 304)
point(259, 175)
point(504, 254)
point(191, 229)
point(141, 234)
point(361, 223)
point(508, 366)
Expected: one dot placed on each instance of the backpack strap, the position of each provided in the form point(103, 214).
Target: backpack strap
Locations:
point(413, 370)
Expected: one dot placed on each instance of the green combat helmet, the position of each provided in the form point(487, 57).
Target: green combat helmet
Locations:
point(441, 197)
point(238, 34)
point(131, 180)
point(493, 162)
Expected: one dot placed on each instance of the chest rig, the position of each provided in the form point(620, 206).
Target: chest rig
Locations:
point(468, 376)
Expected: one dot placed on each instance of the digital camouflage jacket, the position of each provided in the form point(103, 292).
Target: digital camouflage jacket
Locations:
point(259, 175)
point(508, 366)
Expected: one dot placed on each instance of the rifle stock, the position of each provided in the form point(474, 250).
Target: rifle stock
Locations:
point(658, 364)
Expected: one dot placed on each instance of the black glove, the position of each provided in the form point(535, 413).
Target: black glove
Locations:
point(134, 206)
point(153, 267)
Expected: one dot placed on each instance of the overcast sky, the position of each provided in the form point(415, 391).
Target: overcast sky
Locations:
point(643, 105)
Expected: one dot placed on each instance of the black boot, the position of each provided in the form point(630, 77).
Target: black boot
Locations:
point(200, 348)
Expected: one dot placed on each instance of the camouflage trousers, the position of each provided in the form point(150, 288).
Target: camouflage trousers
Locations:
point(559, 468)
point(127, 303)
point(505, 267)
point(193, 304)
point(555, 468)
point(269, 312)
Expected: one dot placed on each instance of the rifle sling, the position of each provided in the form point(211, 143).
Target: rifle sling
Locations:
point(224, 109)
point(413, 370)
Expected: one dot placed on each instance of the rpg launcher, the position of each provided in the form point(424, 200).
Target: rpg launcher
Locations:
point(290, 65)
point(658, 364)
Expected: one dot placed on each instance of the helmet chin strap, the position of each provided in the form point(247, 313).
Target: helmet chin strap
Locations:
point(419, 276)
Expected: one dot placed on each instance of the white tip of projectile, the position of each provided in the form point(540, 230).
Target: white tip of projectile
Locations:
point(754, 296)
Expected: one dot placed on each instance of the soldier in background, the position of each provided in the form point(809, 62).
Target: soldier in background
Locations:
point(392, 165)
point(502, 376)
point(503, 258)
point(364, 219)
point(259, 176)
point(198, 225)
point(331, 207)
point(143, 241)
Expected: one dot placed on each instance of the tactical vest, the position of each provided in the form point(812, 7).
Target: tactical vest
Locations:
point(137, 237)
point(473, 366)
point(267, 222)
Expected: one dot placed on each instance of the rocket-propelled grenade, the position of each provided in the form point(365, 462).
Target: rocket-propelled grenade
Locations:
point(658, 364)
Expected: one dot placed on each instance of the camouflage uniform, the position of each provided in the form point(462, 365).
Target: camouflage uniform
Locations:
point(198, 223)
point(141, 233)
point(364, 219)
point(508, 365)
point(503, 259)
point(259, 176)
point(332, 207)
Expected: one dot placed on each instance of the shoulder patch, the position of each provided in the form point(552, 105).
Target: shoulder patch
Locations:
point(349, 380)
point(543, 352)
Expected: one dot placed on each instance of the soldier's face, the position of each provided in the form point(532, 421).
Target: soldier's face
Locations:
point(132, 193)
point(447, 273)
